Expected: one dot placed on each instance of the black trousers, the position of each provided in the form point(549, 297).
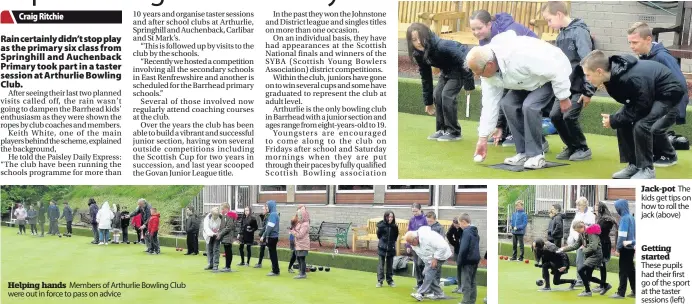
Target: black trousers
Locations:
point(22, 229)
point(636, 142)
point(42, 224)
point(139, 234)
point(192, 243)
point(586, 274)
point(242, 252)
point(517, 239)
point(627, 271)
point(567, 124)
point(273, 255)
point(228, 249)
point(125, 238)
point(69, 227)
point(95, 230)
point(445, 99)
point(385, 270)
point(261, 253)
point(557, 242)
point(33, 228)
point(557, 275)
point(293, 259)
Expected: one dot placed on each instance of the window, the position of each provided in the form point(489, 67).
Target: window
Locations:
point(311, 189)
point(472, 188)
point(355, 189)
point(408, 188)
point(272, 188)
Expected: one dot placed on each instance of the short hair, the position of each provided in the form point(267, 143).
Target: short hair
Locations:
point(557, 207)
point(641, 28)
point(577, 224)
point(465, 217)
point(582, 201)
point(596, 60)
point(153, 210)
point(410, 235)
point(480, 55)
point(519, 203)
point(553, 7)
point(225, 205)
point(431, 215)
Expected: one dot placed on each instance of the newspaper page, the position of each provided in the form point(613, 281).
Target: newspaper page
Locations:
point(264, 151)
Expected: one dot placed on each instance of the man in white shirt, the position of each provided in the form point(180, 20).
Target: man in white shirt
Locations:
point(534, 72)
point(433, 250)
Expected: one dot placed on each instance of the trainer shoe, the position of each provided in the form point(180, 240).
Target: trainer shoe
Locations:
point(605, 290)
point(516, 160)
point(579, 284)
point(300, 277)
point(646, 173)
point(258, 266)
point(626, 173)
point(535, 162)
point(596, 290)
point(546, 146)
point(617, 296)
point(584, 294)
point(241, 264)
point(271, 274)
point(571, 285)
point(215, 270)
point(565, 154)
point(458, 290)
point(666, 161)
point(379, 284)
point(433, 296)
point(631, 295)
point(417, 296)
point(391, 284)
point(290, 270)
point(580, 155)
point(448, 136)
point(545, 289)
point(436, 135)
point(508, 142)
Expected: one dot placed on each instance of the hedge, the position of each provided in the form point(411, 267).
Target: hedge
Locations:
point(343, 261)
point(506, 250)
point(410, 101)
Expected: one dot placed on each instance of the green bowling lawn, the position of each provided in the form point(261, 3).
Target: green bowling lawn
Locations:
point(51, 259)
point(518, 281)
point(420, 158)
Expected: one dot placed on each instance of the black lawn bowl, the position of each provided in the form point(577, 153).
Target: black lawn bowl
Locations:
point(296, 266)
point(327, 269)
point(320, 268)
point(313, 269)
point(539, 282)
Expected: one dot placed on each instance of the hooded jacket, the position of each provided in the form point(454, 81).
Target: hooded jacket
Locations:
point(469, 247)
point(627, 231)
point(153, 225)
point(387, 234)
point(117, 220)
point(591, 241)
point(137, 220)
point(555, 228)
point(415, 223)
point(505, 22)
point(271, 230)
point(53, 213)
point(437, 227)
point(575, 41)
point(527, 68)
point(67, 213)
point(550, 255)
point(43, 209)
point(93, 210)
point(660, 54)
point(431, 245)
point(31, 215)
point(587, 217)
point(454, 236)
point(104, 216)
point(301, 231)
point(448, 56)
point(637, 84)
point(519, 220)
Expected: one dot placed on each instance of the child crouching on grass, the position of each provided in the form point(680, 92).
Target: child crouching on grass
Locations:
point(153, 228)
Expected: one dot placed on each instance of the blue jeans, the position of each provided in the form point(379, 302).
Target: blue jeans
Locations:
point(103, 235)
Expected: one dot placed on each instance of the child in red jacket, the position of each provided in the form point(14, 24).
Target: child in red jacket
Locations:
point(137, 222)
point(153, 228)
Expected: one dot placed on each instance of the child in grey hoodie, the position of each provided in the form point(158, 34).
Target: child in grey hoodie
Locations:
point(434, 224)
point(31, 217)
point(67, 214)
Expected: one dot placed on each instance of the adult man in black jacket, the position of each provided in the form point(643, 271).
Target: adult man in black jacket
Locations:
point(192, 231)
point(650, 94)
point(553, 262)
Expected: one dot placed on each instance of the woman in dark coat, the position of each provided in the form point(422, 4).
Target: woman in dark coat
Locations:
point(247, 235)
point(428, 51)
point(192, 221)
point(387, 233)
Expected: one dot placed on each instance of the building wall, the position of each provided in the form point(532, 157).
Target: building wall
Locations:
point(609, 21)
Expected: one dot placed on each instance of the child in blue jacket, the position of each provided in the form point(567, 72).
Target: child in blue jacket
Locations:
point(625, 246)
point(519, 221)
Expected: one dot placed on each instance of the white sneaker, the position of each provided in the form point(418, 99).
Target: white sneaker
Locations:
point(516, 160)
point(106, 244)
point(535, 162)
point(101, 243)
